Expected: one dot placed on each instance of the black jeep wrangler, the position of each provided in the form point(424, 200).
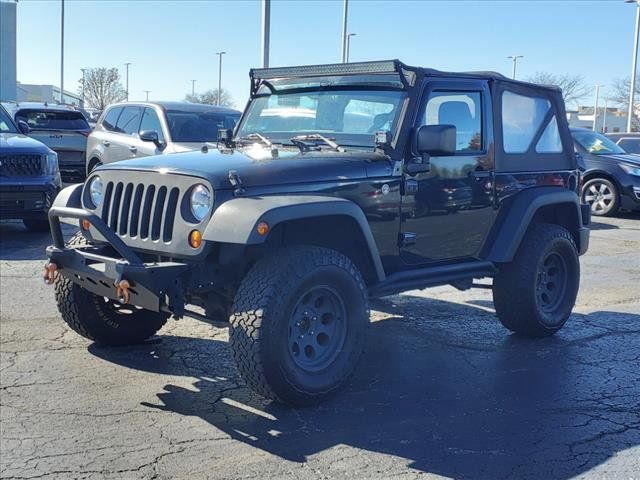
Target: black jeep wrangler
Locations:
point(340, 183)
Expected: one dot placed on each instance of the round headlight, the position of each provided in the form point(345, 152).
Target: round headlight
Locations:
point(96, 190)
point(201, 201)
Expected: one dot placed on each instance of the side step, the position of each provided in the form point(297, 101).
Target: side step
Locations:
point(420, 278)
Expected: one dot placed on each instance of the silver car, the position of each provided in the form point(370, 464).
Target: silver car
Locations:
point(138, 129)
point(62, 128)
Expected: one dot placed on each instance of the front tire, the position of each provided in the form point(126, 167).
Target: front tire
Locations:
point(535, 293)
point(602, 195)
point(104, 321)
point(298, 324)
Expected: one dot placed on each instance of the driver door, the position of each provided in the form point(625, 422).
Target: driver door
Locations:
point(450, 209)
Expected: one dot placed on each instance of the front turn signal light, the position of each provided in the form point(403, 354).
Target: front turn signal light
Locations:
point(86, 224)
point(195, 238)
point(262, 228)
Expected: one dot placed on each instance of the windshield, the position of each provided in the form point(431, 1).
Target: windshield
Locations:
point(595, 143)
point(351, 117)
point(6, 125)
point(53, 120)
point(198, 126)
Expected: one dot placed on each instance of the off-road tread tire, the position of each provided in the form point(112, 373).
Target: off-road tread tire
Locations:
point(262, 292)
point(514, 286)
point(80, 308)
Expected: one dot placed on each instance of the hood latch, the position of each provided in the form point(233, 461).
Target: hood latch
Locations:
point(236, 182)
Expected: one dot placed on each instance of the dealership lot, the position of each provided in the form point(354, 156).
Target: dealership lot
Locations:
point(443, 391)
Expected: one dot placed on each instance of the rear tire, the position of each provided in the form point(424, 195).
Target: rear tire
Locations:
point(602, 195)
point(36, 224)
point(298, 324)
point(104, 321)
point(535, 293)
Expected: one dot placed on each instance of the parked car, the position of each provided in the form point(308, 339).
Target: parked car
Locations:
point(611, 178)
point(139, 129)
point(629, 142)
point(269, 232)
point(29, 176)
point(62, 128)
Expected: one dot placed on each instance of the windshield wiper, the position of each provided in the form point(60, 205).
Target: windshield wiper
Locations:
point(301, 142)
point(260, 138)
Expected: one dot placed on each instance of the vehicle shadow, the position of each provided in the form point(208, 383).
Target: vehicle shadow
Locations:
point(17, 243)
point(442, 385)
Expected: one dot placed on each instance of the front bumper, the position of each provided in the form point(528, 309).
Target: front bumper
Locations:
point(20, 200)
point(155, 286)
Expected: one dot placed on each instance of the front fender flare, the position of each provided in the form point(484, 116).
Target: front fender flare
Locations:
point(69, 197)
point(235, 221)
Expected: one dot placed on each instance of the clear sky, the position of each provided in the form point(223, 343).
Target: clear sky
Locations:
point(171, 42)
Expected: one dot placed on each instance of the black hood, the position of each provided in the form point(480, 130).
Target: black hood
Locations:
point(623, 158)
point(256, 167)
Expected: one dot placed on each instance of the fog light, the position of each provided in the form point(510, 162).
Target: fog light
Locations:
point(262, 228)
point(195, 239)
point(86, 224)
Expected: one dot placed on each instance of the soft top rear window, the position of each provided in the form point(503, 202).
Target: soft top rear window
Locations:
point(53, 119)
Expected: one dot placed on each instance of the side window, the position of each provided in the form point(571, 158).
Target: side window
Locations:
point(550, 140)
point(461, 109)
point(150, 121)
point(129, 120)
point(522, 117)
point(110, 119)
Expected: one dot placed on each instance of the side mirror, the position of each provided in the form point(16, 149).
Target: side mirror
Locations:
point(436, 140)
point(151, 136)
point(24, 127)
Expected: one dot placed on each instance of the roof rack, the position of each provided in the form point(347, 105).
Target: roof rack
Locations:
point(407, 74)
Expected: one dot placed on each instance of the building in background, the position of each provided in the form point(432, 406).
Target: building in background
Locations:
point(612, 121)
point(46, 93)
point(8, 50)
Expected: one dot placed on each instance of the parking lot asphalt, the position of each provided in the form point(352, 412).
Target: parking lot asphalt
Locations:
point(442, 392)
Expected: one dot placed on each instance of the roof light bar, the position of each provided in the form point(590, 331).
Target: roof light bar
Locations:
point(386, 66)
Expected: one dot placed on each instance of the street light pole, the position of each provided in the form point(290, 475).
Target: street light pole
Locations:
point(349, 35)
point(595, 108)
point(515, 59)
point(632, 85)
point(219, 74)
point(147, 92)
point(127, 78)
point(193, 88)
point(266, 31)
point(83, 82)
point(604, 118)
point(345, 38)
point(62, 52)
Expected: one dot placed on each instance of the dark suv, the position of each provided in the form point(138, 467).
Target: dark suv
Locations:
point(29, 176)
point(317, 203)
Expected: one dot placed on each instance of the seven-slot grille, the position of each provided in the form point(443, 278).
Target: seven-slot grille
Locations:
point(146, 211)
point(20, 165)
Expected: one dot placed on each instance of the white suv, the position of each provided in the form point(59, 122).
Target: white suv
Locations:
point(138, 129)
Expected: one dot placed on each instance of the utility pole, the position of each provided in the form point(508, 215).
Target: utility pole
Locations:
point(595, 108)
point(219, 74)
point(84, 79)
point(266, 31)
point(147, 92)
point(193, 88)
point(345, 38)
point(632, 86)
point(515, 59)
point(62, 51)
point(127, 78)
point(349, 35)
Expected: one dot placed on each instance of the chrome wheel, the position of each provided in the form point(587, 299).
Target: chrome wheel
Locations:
point(601, 195)
point(317, 329)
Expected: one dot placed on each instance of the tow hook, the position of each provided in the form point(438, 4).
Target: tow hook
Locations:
point(50, 272)
point(122, 291)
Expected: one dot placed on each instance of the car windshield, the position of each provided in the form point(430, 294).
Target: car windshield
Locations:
point(186, 126)
point(6, 125)
point(53, 119)
point(595, 143)
point(349, 116)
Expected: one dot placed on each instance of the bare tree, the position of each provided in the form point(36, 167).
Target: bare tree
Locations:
point(210, 97)
point(572, 86)
point(101, 87)
point(619, 95)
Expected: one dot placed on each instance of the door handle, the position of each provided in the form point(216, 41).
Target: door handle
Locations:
point(133, 149)
point(481, 175)
point(106, 143)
